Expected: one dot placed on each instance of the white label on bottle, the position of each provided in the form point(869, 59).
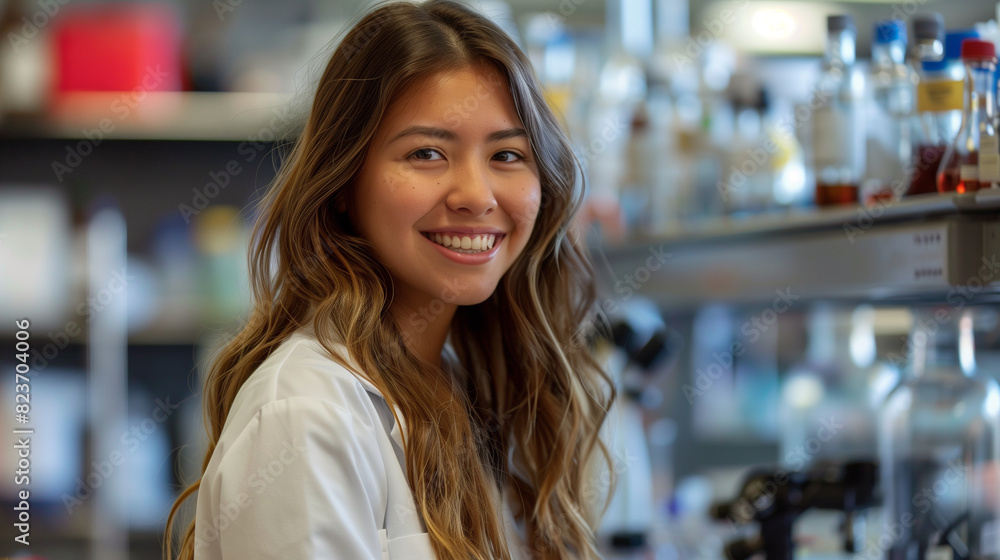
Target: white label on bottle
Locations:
point(831, 137)
point(969, 172)
point(989, 538)
point(988, 144)
point(989, 159)
point(940, 553)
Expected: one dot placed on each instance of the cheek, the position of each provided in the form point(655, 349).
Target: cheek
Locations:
point(525, 208)
point(393, 203)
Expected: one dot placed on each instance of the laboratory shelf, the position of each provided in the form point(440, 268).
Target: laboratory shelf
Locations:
point(925, 248)
point(220, 116)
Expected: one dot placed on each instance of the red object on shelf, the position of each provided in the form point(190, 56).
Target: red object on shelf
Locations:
point(977, 49)
point(117, 47)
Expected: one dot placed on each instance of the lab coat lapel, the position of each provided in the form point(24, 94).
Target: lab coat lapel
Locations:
point(397, 427)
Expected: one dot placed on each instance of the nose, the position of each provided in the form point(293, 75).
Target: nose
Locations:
point(472, 191)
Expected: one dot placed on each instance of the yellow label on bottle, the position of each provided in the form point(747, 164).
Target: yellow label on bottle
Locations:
point(940, 96)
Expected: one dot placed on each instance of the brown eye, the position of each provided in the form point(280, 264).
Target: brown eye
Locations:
point(508, 160)
point(422, 152)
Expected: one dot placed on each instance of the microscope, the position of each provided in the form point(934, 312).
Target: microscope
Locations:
point(775, 498)
point(637, 349)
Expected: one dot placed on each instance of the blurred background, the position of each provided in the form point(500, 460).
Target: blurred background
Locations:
point(766, 211)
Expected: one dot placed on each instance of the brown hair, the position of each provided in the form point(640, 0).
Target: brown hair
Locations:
point(533, 400)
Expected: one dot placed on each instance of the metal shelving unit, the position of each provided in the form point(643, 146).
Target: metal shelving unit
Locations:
point(221, 116)
point(931, 247)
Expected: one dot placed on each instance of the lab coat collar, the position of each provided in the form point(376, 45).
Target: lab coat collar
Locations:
point(397, 427)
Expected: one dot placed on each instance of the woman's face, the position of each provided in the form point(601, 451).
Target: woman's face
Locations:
point(450, 191)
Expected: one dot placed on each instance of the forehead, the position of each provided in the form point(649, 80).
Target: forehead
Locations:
point(470, 96)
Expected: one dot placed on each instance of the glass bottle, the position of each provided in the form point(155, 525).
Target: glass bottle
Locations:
point(838, 132)
point(928, 37)
point(637, 178)
point(972, 161)
point(939, 99)
point(939, 433)
point(834, 385)
point(888, 129)
point(788, 157)
point(748, 187)
point(621, 86)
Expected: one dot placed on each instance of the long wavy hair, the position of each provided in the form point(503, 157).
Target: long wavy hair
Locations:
point(525, 416)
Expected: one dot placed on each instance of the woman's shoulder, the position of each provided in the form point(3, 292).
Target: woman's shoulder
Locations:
point(300, 368)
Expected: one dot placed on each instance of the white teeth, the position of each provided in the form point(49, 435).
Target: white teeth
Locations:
point(465, 243)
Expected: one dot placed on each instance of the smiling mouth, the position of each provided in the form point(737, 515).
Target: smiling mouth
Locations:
point(460, 243)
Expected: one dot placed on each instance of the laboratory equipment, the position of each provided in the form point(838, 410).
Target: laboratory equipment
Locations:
point(938, 443)
point(838, 132)
point(972, 161)
point(775, 498)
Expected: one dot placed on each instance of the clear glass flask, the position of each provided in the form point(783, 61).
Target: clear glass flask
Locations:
point(938, 444)
point(972, 161)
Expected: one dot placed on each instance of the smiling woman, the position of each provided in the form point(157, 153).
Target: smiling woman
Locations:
point(477, 188)
point(412, 383)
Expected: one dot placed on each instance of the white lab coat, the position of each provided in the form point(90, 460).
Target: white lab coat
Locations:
point(310, 465)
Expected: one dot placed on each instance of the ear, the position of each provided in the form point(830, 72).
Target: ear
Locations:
point(343, 214)
point(342, 202)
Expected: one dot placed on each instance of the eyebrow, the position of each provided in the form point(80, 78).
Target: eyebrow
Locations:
point(446, 134)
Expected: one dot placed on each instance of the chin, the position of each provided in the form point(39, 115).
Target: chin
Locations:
point(474, 294)
point(473, 300)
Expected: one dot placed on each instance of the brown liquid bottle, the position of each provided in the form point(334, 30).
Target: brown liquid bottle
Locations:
point(834, 194)
point(961, 178)
point(939, 99)
point(972, 161)
point(837, 133)
point(926, 161)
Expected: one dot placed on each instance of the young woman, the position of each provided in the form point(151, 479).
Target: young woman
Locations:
point(413, 380)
